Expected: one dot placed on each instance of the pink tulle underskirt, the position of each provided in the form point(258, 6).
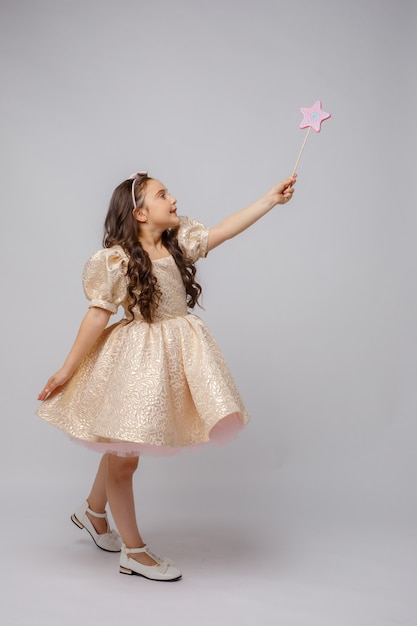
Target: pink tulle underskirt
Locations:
point(223, 432)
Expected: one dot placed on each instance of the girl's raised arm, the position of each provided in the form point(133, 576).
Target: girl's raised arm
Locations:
point(240, 221)
point(93, 324)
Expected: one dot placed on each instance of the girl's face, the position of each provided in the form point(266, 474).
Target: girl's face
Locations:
point(159, 208)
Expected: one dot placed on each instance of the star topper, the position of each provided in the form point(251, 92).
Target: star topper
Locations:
point(313, 116)
point(312, 119)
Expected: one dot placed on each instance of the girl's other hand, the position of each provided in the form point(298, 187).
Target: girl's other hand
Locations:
point(283, 192)
point(93, 324)
point(57, 380)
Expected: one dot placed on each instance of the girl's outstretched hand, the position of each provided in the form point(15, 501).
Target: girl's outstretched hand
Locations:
point(283, 192)
point(57, 380)
point(240, 221)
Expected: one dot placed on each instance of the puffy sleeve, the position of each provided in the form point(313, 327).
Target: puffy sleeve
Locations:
point(193, 238)
point(104, 278)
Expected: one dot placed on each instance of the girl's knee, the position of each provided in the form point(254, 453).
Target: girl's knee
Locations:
point(122, 466)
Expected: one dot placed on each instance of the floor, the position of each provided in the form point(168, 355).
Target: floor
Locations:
point(242, 565)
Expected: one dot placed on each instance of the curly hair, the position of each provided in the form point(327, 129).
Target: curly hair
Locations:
point(121, 228)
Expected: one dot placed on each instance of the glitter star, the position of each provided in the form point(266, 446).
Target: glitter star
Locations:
point(313, 116)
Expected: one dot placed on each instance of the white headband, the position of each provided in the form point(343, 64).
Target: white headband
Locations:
point(134, 177)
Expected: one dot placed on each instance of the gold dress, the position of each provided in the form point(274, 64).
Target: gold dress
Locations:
point(148, 387)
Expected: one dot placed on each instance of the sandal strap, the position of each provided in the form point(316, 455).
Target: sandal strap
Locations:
point(135, 550)
point(146, 550)
point(94, 514)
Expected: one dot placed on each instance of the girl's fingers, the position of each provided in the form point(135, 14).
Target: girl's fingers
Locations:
point(288, 193)
point(287, 185)
point(57, 380)
point(44, 394)
point(47, 390)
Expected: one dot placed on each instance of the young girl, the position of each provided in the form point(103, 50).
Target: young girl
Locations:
point(156, 380)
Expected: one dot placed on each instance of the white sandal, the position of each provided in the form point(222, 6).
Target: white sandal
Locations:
point(109, 541)
point(163, 571)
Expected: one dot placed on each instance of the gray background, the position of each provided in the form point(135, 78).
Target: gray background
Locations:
point(308, 518)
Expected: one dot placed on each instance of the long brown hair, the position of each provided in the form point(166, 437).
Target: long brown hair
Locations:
point(121, 228)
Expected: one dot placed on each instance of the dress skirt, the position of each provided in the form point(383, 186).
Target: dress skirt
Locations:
point(148, 387)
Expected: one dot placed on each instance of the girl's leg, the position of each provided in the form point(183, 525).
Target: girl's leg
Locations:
point(119, 490)
point(97, 498)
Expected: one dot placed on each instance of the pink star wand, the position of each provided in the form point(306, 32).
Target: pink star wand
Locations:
point(312, 119)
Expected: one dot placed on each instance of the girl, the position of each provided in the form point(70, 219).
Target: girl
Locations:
point(156, 380)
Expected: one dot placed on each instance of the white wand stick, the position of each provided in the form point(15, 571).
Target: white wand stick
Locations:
point(301, 151)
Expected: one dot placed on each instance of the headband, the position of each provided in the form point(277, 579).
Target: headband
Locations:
point(134, 177)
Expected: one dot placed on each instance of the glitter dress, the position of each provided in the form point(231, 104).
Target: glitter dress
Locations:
point(148, 387)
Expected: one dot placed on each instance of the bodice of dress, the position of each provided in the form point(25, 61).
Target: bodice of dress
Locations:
point(105, 282)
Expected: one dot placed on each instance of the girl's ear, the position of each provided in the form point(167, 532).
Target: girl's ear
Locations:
point(140, 216)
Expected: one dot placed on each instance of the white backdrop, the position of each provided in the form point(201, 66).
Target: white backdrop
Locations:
point(314, 307)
